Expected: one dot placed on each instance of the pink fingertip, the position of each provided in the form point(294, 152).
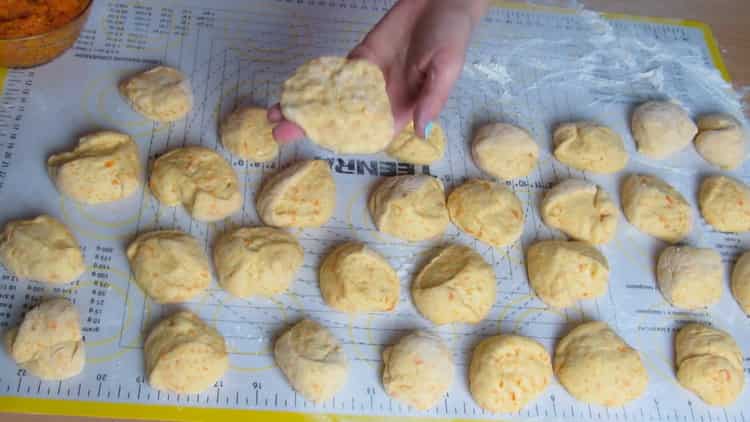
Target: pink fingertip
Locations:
point(287, 132)
point(274, 114)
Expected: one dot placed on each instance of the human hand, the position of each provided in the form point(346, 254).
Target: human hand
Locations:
point(420, 45)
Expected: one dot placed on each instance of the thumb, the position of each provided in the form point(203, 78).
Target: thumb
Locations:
point(444, 69)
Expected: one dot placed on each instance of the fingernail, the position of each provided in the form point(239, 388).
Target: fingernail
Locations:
point(428, 129)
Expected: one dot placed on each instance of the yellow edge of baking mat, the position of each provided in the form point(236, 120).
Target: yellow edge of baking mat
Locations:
point(3, 75)
point(196, 414)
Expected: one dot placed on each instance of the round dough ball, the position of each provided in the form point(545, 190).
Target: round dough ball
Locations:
point(169, 266)
point(457, 285)
point(588, 146)
point(341, 104)
point(507, 372)
point(505, 151)
point(418, 370)
point(582, 210)
point(48, 342)
point(199, 179)
point(301, 195)
point(104, 167)
point(725, 204)
point(564, 272)
point(312, 360)
point(257, 261)
point(410, 148)
point(184, 355)
point(596, 366)
point(690, 278)
point(248, 134)
point(661, 128)
point(709, 364)
point(162, 94)
point(656, 208)
point(487, 211)
point(741, 282)
point(355, 278)
point(411, 208)
point(41, 249)
point(721, 141)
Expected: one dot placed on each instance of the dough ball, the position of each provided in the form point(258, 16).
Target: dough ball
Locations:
point(588, 146)
point(104, 167)
point(48, 342)
point(725, 204)
point(411, 208)
point(690, 278)
point(505, 151)
point(457, 285)
point(184, 355)
point(741, 282)
point(487, 211)
point(721, 141)
point(301, 195)
point(41, 249)
point(507, 372)
point(199, 179)
point(312, 360)
point(341, 104)
point(169, 266)
point(596, 366)
point(257, 261)
point(656, 208)
point(162, 94)
point(248, 134)
point(582, 210)
point(410, 148)
point(661, 128)
point(355, 278)
point(709, 364)
point(564, 272)
point(418, 370)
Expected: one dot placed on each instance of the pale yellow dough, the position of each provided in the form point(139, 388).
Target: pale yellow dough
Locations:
point(48, 342)
point(725, 204)
point(41, 249)
point(582, 210)
point(596, 366)
point(341, 104)
point(487, 211)
point(184, 355)
point(248, 134)
point(661, 128)
point(199, 179)
point(589, 146)
point(507, 372)
point(355, 278)
point(565, 272)
point(741, 282)
point(656, 208)
point(411, 208)
point(505, 151)
point(690, 278)
point(301, 195)
point(257, 261)
point(721, 140)
point(709, 364)
point(457, 285)
point(418, 370)
point(104, 167)
point(312, 360)
point(162, 94)
point(410, 148)
point(170, 266)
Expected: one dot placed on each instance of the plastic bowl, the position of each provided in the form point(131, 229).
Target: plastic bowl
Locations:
point(38, 49)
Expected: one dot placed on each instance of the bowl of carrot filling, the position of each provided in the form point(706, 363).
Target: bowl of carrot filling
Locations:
point(33, 32)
